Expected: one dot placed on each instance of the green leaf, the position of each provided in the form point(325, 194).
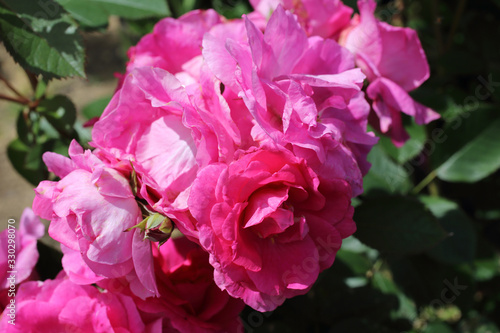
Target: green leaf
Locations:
point(33, 160)
point(430, 283)
point(41, 87)
point(182, 7)
point(53, 48)
point(383, 281)
point(358, 263)
point(95, 108)
point(396, 224)
point(486, 269)
point(27, 161)
point(84, 133)
point(360, 325)
point(23, 132)
point(95, 13)
point(60, 112)
point(460, 247)
point(458, 132)
point(385, 174)
point(476, 160)
point(411, 148)
point(231, 9)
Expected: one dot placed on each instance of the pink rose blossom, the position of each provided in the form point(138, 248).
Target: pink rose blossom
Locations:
point(269, 225)
point(395, 63)
point(388, 101)
point(325, 18)
point(62, 306)
point(174, 45)
point(288, 82)
point(143, 125)
point(89, 209)
point(189, 299)
point(169, 132)
point(22, 261)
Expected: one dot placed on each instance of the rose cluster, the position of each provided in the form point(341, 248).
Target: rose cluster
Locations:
point(224, 166)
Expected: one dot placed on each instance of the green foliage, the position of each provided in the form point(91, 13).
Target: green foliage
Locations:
point(60, 113)
point(95, 108)
point(411, 148)
point(57, 41)
point(385, 174)
point(478, 159)
point(397, 225)
point(95, 13)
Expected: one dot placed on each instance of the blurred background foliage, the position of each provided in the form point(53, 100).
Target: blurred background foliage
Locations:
point(425, 257)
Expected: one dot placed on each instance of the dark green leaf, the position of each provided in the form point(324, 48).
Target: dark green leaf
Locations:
point(395, 224)
point(429, 283)
point(476, 160)
point(411, 148)
point(52, 47)
point(60, 113)
point(27, 161)
point(23, 132)
point(438, 327)
point(358, 263)
point(385, 174)
point(33, 160)
point(49, 262)
point(383, 281)
point(459, 131)
point(460, 246)
point(41, 87)
point(360, 325)
point(95, 13)
point(95, 108)
point(84, 133)
point(182, 7)
point(486, 269)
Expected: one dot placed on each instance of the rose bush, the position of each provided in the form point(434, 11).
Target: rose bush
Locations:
point(245, 141)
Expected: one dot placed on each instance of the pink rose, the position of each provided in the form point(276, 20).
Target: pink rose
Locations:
point(62, 306)
point(89, 209)
point(395, 56)
point(189, 298)
point(174, 45)
point(269, 225)
point(388, 101)
point(325, 18)
point(166, 131)
point(18, 252)
point(288, 82)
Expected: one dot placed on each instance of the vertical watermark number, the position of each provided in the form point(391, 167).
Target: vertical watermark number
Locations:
point(10, 310)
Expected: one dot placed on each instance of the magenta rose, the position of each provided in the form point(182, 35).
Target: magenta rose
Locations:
point(62, 306)
point(325, 18)
point(175, 45)
point(189, 299)
point(298, 91)
point(269, 225)
point(18, 252)
point(395, 63)
point(89, 209)
point(166, 131)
